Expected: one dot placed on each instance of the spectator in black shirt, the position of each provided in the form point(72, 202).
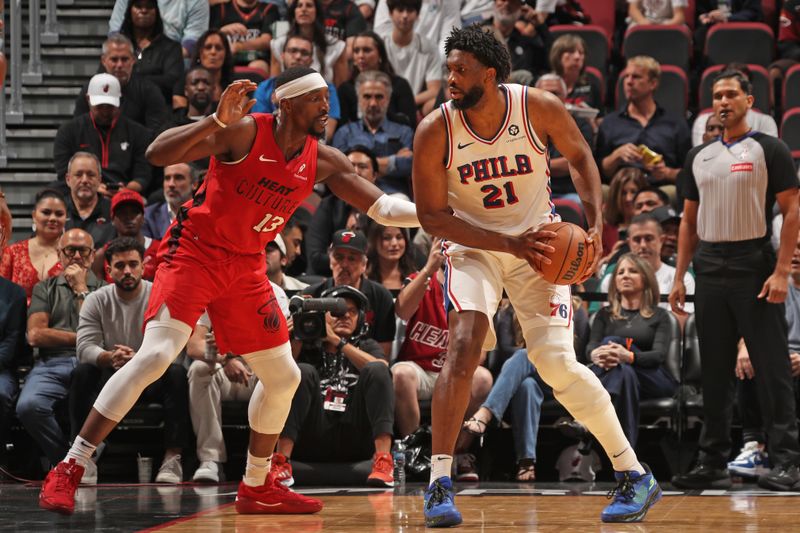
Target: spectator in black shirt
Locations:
point(248, 25)
point(343, 20)
point(13, 348)
point(159, 59)
point(345, 398)
point(87, 209)
point(643, 122)
point(142, 101)
point(629, 342)
point(198, 89)
point(118, 142)
point(348, 262)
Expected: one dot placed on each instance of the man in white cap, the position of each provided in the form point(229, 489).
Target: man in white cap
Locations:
point(118, 142)
point(142, 101)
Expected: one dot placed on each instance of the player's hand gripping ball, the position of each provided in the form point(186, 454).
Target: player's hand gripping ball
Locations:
point(573, 255)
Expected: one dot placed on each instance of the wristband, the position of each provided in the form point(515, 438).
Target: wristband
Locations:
point(218, 121)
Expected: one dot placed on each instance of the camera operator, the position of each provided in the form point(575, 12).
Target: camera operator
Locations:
point(345, 398)
point(348, 261)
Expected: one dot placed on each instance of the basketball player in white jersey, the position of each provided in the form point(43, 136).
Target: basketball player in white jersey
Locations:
point(487, 191)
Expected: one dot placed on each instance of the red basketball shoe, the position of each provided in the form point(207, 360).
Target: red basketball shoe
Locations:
point(274, 498)
point(58, 489)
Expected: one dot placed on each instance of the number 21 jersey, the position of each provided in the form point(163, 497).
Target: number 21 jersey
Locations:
point(242, 205)
point(503, 183)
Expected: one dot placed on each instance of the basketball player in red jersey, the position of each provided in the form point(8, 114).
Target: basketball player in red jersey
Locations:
point(262, 167)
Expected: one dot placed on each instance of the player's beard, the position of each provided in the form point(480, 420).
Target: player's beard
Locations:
point(470, 98)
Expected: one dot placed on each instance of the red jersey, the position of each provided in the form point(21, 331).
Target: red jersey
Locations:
point(427, 331)
point(241, 206)
point(789, 26)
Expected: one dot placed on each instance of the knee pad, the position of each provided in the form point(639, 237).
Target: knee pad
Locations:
point(278, 377)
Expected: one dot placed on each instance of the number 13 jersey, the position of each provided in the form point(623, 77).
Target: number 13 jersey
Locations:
point(503, 183)
point(242, 205)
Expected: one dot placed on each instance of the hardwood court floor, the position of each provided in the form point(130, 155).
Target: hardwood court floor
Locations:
point(492, 507)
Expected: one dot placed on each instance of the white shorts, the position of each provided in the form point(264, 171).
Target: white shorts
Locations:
point(475, 279)
point(427, 379)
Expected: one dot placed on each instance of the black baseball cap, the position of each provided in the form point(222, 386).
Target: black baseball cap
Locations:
point(351, 239)
point(665, 214)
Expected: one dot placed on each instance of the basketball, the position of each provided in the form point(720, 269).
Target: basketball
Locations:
point(571, 256)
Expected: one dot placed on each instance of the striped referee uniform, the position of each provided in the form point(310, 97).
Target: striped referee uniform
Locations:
point(735, 186)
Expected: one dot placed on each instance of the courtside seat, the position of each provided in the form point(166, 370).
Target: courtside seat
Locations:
point(745, 42)
point(759, 79)
point(691, 373)
point(653, 412)
point(667, 44)
point(791, 88)
point(598, 44)
point(790, 129)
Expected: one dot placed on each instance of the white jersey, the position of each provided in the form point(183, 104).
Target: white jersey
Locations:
point(503, 183)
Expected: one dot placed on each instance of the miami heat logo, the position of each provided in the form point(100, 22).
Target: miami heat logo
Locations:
point(106, 87)
point(271, 312)
point(346, 236)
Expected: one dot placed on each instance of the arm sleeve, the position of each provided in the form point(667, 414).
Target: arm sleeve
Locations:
point(657, 353)
point(90, 330)
point(12, 332)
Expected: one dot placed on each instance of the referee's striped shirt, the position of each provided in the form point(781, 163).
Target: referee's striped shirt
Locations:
point(735, 185)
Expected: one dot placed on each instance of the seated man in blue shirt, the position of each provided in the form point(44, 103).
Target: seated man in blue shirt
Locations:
point(298, 51)
point(389, 141)
point(643, 122)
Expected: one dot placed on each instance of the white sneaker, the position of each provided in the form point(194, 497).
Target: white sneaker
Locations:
point(208, 471)
point(751, 462)
point(89, 474)
point(171, 471)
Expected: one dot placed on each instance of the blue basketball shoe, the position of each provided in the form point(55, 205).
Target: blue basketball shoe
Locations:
point(440, 507)
point(634, 494)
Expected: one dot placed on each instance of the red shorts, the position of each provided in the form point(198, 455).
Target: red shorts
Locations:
point(233, 288)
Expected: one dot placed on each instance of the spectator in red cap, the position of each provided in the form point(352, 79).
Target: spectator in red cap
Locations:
point(127, 217)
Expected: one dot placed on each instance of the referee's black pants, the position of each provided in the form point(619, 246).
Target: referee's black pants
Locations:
point(729, 278)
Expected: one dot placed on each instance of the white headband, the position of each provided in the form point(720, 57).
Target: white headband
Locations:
point(300, 86)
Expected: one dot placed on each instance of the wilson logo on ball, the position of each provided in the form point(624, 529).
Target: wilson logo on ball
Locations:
point(575, 265)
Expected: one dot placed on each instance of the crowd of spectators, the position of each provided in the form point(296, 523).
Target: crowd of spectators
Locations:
point(84, 274)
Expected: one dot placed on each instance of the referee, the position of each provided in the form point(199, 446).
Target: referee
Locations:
point(731, 185)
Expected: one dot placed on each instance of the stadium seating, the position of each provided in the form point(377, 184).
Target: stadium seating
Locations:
point(745, 42)
point(790, 130)
point(669, 45)
point(598, 44)
point(672, 92)
point(598, 77)
point(602, 13)
point(791, 88)
point(758, 77)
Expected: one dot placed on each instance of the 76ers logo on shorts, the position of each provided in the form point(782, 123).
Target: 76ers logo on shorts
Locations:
point(271, 312)
point(558, 309)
